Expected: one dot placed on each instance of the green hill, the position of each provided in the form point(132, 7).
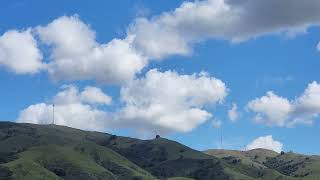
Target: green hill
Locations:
point(29, 151)
point(54, 152)
point(270, 163)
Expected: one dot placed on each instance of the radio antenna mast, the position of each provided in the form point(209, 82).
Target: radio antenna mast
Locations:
point(52, 113)
point(221, 138)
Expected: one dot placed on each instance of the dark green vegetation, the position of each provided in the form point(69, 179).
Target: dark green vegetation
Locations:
point(271, 165)
point(34, 152)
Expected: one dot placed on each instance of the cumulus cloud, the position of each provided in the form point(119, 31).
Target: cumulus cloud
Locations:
point(71, 109)
point(169, 102)
point(176, 31)
point(76, 55)
point(95, 95)
point(233, 112)
point(160, 102)
point(307, 106)
point(279, 111)
point(271, 109)
point(265, 142)
point(19, 52)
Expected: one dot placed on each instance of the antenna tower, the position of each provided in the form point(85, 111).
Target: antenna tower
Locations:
point(52, 113)
point(221, 138)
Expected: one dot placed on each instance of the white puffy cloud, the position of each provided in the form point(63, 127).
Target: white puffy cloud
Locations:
point(90, 95)
point(274, 110)
point(271, 109)
point(157, 41)
point(309, 101)
point(75, 115)
point(160, 102)
point(71, 109)
point(19, 52)
point(95, 95)
point(165, 102)
point(233, 112)
point(307, 106)
point(265, 142)
point(76, 55)
point(176, 31)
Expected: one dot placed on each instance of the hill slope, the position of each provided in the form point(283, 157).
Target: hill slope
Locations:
point(54, 152)
point(29, 151)
point(268, 162)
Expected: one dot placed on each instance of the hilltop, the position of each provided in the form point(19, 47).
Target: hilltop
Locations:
point(29, 151)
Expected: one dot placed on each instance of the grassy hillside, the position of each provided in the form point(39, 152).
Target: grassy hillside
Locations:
point(55, 152)
point(29, 151)
point(272, 164)
point(296, 165)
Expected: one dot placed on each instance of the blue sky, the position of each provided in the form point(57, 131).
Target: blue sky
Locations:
point(263, 60)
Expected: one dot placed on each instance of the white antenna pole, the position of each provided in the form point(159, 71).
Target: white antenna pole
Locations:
point(52, 113)
point(221, 138)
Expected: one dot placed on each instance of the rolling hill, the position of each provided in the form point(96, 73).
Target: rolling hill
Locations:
point(29, 151)
point(269, 163)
